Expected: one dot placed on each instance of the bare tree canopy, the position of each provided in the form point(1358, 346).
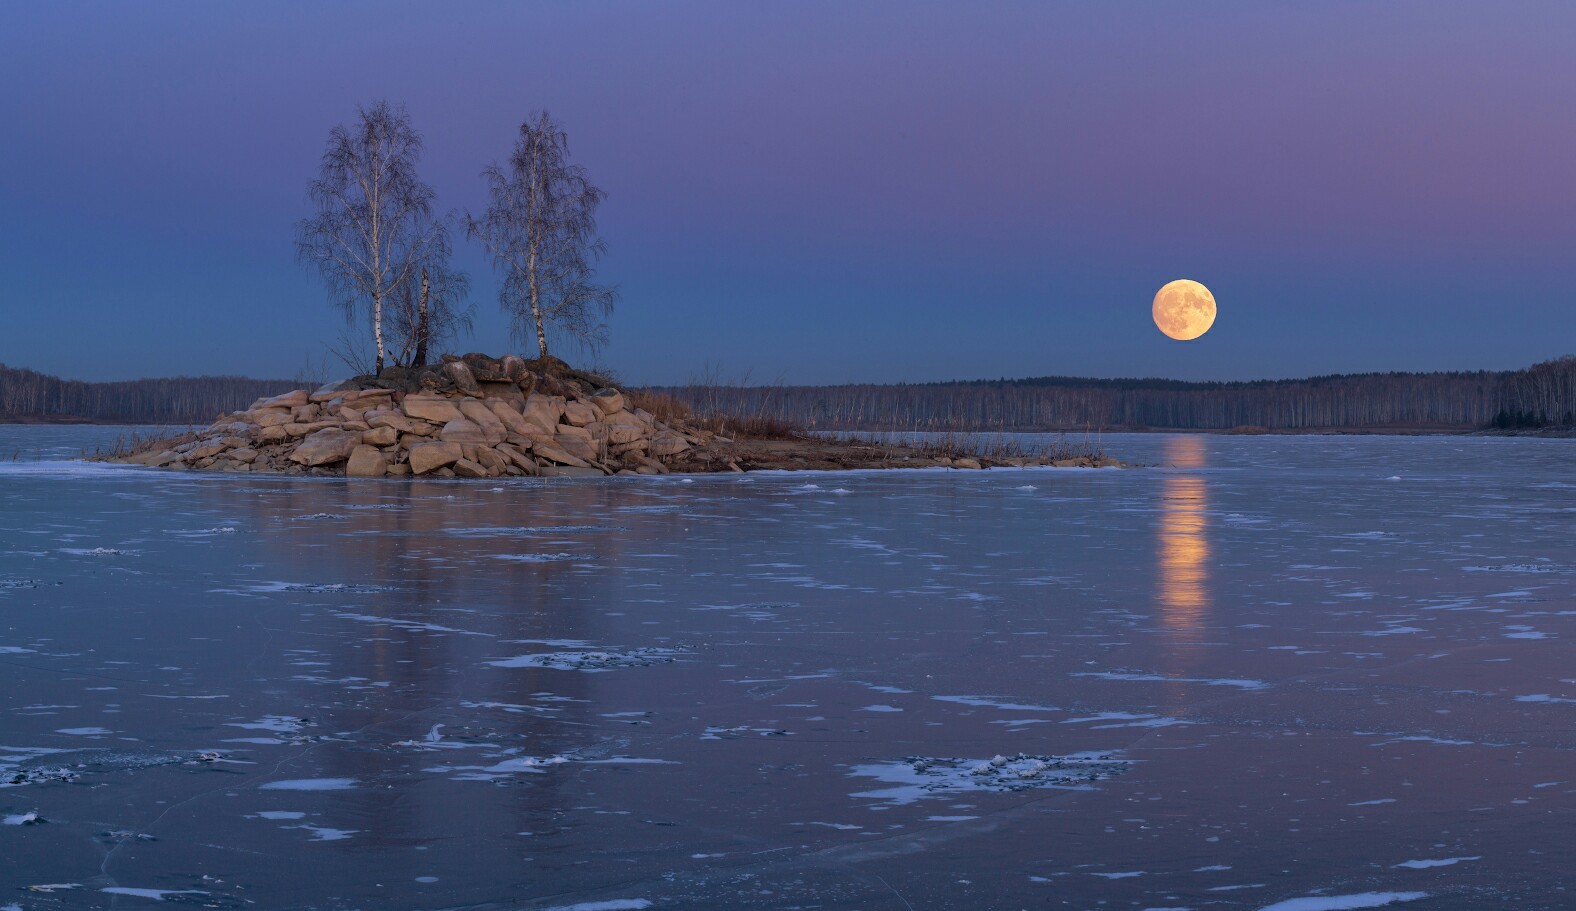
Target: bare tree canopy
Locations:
point(429, 309)
point(374, 228)
point(540, 228)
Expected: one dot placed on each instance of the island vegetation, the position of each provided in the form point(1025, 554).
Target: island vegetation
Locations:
point(382, 248)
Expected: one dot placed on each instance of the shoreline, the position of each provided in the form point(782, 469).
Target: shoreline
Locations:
point(480, 417)
point(1550, 432)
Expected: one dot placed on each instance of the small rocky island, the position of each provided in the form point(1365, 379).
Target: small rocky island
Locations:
point(481, 417)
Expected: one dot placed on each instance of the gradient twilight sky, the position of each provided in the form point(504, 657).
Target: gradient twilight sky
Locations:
point(826, 192)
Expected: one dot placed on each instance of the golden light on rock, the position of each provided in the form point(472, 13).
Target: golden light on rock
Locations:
point(1184, 309)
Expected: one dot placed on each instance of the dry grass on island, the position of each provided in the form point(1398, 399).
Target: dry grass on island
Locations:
point(482, 417)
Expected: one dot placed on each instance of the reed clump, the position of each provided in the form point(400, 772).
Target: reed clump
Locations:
point(126, 444)
point(759, 425)
point(1000, 447)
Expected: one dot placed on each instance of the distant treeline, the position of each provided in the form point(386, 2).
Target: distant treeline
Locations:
point(1543, 395)
point(1540, 396)
point(30, 395)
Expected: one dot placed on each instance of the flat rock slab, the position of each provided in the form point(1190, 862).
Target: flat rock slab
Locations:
point(425, 457)
point(326, 447)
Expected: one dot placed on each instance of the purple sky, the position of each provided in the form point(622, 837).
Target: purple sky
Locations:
point(826, 192)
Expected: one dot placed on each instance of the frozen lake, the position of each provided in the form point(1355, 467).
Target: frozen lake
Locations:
point(1298, 673)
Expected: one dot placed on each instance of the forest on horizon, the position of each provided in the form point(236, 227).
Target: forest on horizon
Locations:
point(1543, 395)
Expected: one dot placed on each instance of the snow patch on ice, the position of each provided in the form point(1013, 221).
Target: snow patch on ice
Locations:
point(1442, 862)
point(1240, 683)
point(1344, 902)
point(590, 661)
point(311, 784)
point(992, 703)
point(918, 777)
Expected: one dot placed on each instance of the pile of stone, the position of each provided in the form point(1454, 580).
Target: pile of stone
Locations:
point(474, 417)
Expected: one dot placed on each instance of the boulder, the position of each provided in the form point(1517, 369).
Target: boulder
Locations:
point(555, 453)
point(513, 367)
point(667, 443)
point(966, 463)
point(483, 417)
point(511, 418)
point(580, 414)
point(544, 410)
point(298, 429)
point(610, 400)
point(293, 399)
point(571, 432)
point(436, 409)
point(462, 377)
point(465, 468)
point(268, 417)
point(618, 434)
point(380, 436)
point(325, 447)
point(519, 459)
point(366, 462)
point(340, 389)
point(461, 430)
point(647, 466)
point(425, 457)
point(366, 398)
point(491, 459)
point(395, 421)
point(579, 448)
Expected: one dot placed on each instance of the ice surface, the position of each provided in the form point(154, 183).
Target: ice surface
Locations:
point(792, 695)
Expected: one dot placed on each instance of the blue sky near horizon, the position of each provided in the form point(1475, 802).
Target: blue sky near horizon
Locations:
point(820, 192)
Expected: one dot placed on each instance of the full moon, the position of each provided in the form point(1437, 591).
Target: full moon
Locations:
point(1184, 309)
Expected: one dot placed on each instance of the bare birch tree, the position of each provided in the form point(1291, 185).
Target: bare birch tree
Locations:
point(373, 227)
point(429, 308)
point(540, 229)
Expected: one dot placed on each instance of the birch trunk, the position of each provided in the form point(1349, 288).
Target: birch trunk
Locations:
point(423, 327)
